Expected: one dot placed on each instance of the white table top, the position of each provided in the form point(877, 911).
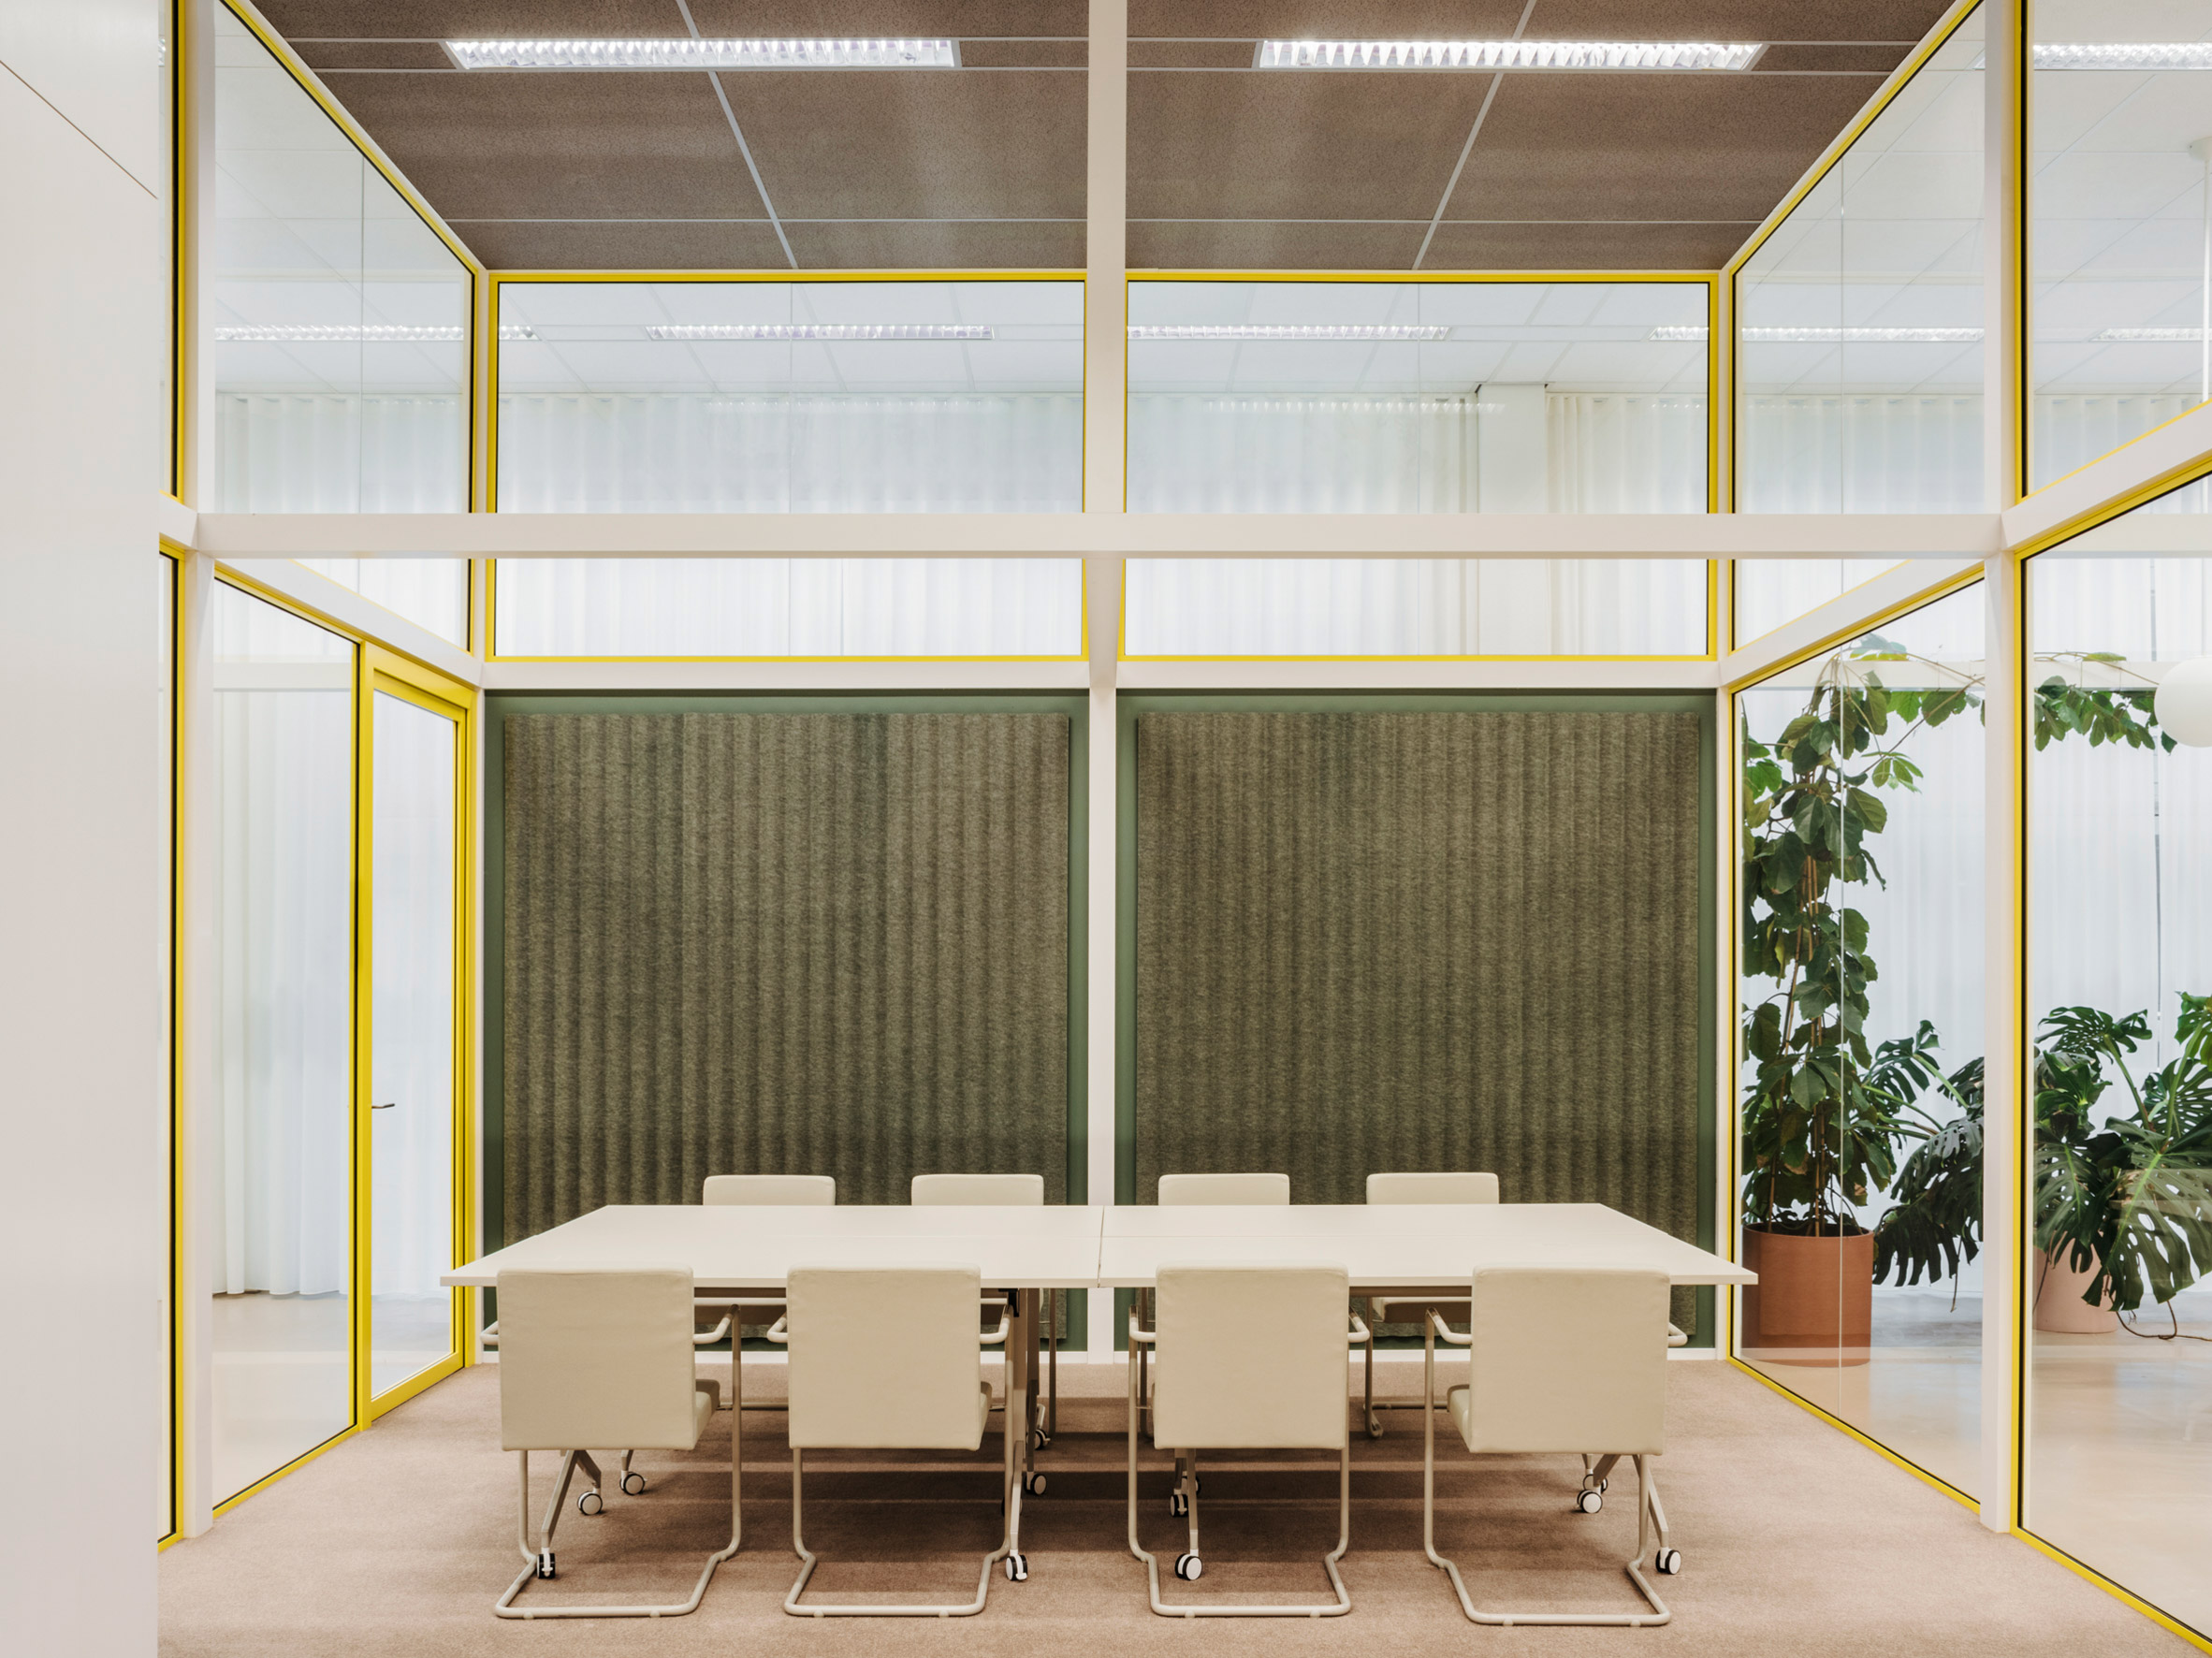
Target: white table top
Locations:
point(1385, 1246)
point(1397, 1245)
point(742, 1247)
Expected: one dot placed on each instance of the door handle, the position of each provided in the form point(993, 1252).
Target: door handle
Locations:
point(386, 1106)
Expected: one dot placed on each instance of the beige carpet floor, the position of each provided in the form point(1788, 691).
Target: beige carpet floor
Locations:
point(1796, 1540)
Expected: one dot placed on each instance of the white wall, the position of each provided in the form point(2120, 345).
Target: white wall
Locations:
point(83, 816)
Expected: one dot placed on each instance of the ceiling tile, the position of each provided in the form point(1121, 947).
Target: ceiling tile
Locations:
point(650, 246)
point(322, 55)
point(1649, 147)
point(1024, 54)
point(1584, 246)
point(915, 144)
point(458, 20)
point(1356, 20)
point(944, 245)
point(1272, 245)
point(1191, 54)
point(586, 146)
point(1831, 59)
point(1254, 146)
point(1735, 19)
point(847, 18)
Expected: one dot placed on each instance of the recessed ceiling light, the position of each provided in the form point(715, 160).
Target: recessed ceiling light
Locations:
point(1506, 54)
point(1291, 331)
point(2125, 54)
point(1861, 336)
point(773, 331)
point(2147, 336)
point(350, 333)
point(677, 53)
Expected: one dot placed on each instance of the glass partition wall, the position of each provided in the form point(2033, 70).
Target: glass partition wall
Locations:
point(1861, 1047)
point(339, 319)
point(1417, 397)
point(2120, 981)
point(2119, 203)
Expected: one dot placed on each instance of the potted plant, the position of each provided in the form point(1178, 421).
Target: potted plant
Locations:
point(1823, 1114)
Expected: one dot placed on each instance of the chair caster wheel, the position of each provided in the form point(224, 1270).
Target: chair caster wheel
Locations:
point(1032, 1486)
point(1038, 1439)
point(1670, 1562)
point(545, 1562)
point(1589, 1502)
point(1017, 1568)
point(634, 1491)
point(1178, 1505)
point(591, 1502)
point(1189, 1567)
point(1375, 1427)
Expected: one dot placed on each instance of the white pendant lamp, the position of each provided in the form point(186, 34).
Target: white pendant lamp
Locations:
point(2184, 703)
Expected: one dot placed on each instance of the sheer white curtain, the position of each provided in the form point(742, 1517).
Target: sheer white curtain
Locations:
point(340, 451)
point(1859, 451)
point(757, 452)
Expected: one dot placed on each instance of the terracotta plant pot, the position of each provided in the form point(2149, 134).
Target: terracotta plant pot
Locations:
point(2058, 1306)
point(1815, 1300)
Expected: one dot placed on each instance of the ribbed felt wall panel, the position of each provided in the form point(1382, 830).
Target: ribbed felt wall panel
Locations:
point(818, 943)
point(1427, 941)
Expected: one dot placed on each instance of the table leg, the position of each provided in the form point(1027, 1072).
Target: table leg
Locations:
point(1032, 1352)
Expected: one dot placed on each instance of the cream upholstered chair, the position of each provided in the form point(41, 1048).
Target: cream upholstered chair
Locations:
point(1561, 1358)
point(1015, 1191)
point(1453, 1187)
point(889, 1359)
point(1256, 1191)
point(1249, 1357)
point(601, 1358)
point(791, 1191)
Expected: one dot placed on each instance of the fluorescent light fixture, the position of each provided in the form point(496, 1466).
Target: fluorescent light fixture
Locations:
point(2147, 336)
point(1861, 336)
point(677, 53)
point(1677, 333)
point(1506, 54)
point(355, 333)
point(1298, 331)
point(2125, 54)
point(784, 331)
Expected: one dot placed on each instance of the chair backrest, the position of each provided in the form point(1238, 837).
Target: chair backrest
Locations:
point(1009, 1190)
point(1431, 1188)
point(1223, 1188)
point(798, 1191)
point(596, 1359)
point(1251, 1357)
point(885, 1357)
point(1568, 1358)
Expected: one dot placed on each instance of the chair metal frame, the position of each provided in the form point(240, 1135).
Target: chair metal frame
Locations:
point(538, 1561)
point(1186, 1479)
point(1649, 1512)
point(1010, 1494)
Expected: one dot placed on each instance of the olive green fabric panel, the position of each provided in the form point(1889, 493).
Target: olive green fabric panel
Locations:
point(1424, 940)
point(809, 943)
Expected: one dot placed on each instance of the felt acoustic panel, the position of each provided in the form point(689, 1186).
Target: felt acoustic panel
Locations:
point(811, 944)
point(1369, 942)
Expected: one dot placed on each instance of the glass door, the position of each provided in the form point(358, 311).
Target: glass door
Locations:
point(411, 896)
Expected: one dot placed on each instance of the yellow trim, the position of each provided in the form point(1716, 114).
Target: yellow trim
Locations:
point(1420, 659)
point(296, 66)
point(2108, 454)
point(181, 205)
point(271, 1479)
point(1875, 1446)
point(503, 277)
point(178, 1393)
point(307, 612)
point(2165, 1620)
point(2016, 139)
point(384, 673)
point(2096, 518)
point(461, 644)
point(1828, 641)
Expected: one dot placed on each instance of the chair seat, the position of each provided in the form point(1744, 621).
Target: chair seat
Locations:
point(707, 1398)
point(1265, 1435)
point(872, 1442)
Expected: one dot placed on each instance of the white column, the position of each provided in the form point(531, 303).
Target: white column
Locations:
point(193, 31)
point(198, 1172)
point(1105, 360)
point(2005, 696)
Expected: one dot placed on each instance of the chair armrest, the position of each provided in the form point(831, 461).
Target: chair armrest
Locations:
point(1445, 1331)
point(1677, 1337)
point(991, 1337)
point(707, 1338)
point(1137, 1335)
point(780, 1330)
point(1358, 1334)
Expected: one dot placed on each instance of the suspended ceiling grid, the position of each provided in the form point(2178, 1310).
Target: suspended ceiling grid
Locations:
point(982, 166)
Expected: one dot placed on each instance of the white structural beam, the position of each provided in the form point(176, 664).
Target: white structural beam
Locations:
point(1105, 532)
point(665, 676)
point(1102, 527)
point(1563, 674)
point(2154, 458)
point(1843, 617)
point(313, 591)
